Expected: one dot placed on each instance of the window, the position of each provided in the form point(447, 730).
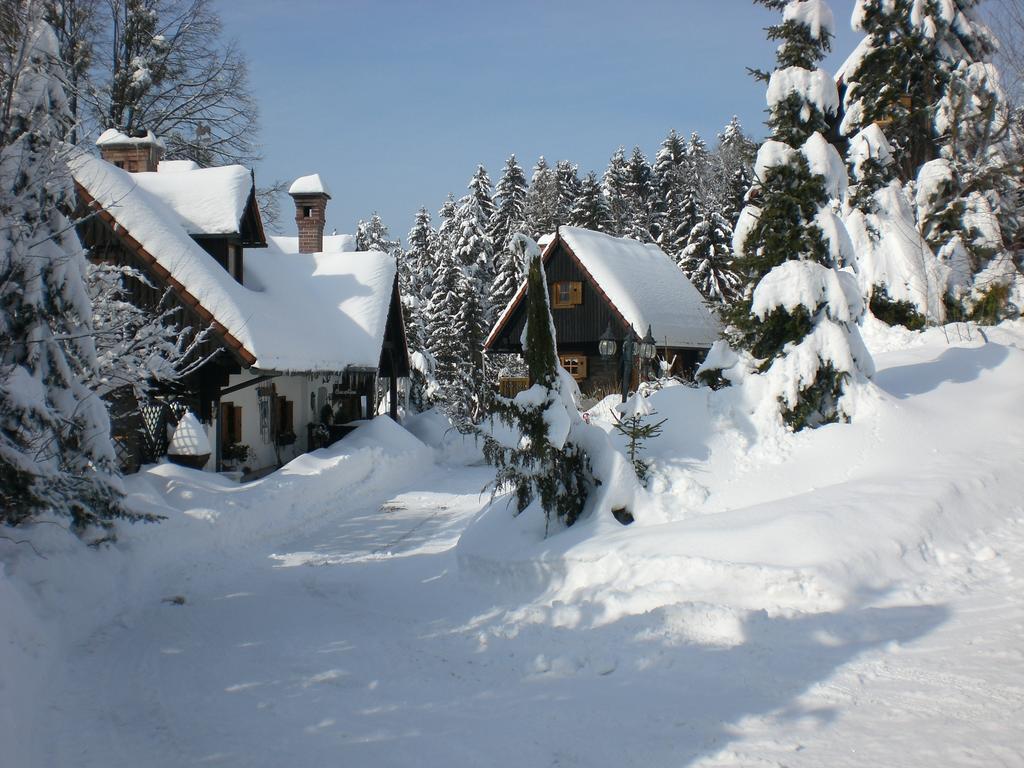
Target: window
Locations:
point(307, 211)
point(566, 293)
point(575, 364)
point(230, 423)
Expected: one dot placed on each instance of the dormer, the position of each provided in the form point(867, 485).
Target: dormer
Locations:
point(310, 194)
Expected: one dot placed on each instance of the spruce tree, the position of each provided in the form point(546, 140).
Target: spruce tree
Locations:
point(569, 189)
point(547, 464)
point(55, 450)
point(482, 191)
point(669, 170)
point(707, 258)
point(735, 156)
point(446, 341)
point(475, 253)
point(510, 196)
point(640, 185)
point(926, 76)
point(542, 201)
point(416, 275)
point(591, 209)
point(616, 187)
point(373, 235)
point(796, 316)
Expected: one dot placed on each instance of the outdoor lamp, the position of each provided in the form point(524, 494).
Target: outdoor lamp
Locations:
point(647, 346)
point(606, 345)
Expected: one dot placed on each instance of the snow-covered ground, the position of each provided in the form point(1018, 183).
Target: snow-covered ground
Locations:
point(848, 596)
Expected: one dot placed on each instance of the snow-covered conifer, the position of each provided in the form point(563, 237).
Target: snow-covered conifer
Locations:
point(615, 185)
point(735, 156)
point(56, 454)
point(798, 314)
point(591, 208)
point(510, 197)
point(640, 183)
point(475, 253)
point(898, 275)
point(373, 235)
point(547, 463)
point(569, 189)
point(416, 273)
point(924, 72)
point(542, 201)
point(481, 189)
point(669, 170)
point(707, 258)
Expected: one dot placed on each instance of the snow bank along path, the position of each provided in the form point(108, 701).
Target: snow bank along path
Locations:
point(847, 597)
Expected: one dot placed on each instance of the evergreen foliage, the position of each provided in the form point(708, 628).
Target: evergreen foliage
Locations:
point(542, 201)
point(780, 226)
point(669, 216)
point(567, 180)
point(543, 465)
point(616, 188)
point(591, 208)
point(56, 456)
point(416, 276)
point(707, 258)
point(636, 426)
point(640, 193)
point(510, 196)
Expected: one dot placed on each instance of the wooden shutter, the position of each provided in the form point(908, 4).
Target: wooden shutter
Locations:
point(575, 293)
point(288, 422)
point(226, 422)
point(236, 423)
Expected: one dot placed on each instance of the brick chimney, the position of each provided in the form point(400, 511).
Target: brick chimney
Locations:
point(310, 194)
point(135, 154)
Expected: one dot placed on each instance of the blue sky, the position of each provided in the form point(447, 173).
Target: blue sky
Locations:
point(395, 102)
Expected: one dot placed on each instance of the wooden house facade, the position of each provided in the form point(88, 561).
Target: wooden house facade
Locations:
point(298, 344)
point(598, 283)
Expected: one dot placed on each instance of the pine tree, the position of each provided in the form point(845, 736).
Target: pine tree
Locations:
point(616, 187)
point(669, 170)
point(510, 196)
point(569, 189)
point(542, 201)
point(591, 209)
point(707, 258)
point(480, 188)
point(640, 185)
point(475, 253)
point(447, 343)
point(735, 157)
point(55, 450)
point(926, 76)
point(416, 274)
point(548, 463)
point(446, 228)
point(373, 235)
point(796, 316)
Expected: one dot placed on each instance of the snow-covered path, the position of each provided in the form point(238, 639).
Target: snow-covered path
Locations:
point(358, 643)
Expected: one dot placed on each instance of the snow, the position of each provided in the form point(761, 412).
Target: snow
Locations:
point(826, 161)
point(814, 14)
point(646, 287)
point(332, 243)
point(295, 312)
point(113, 137)
point(207, 201)
point(771, 154)
point(890, 252)
point(814, 87)
point(832, 597)
point(794, 284)
point(309, 185)
point(189, 438)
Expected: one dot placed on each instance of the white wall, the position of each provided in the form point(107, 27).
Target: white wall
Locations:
point(295, 388)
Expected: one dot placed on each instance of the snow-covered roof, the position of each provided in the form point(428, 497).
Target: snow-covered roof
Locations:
point(332, 243)
point(309, 185)
point(207, 201)
point(113, 137)
point(642, 283)
point(296, 312)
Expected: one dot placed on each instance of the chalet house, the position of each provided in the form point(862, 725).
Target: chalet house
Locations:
point(599, 282)
point(301, 331)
